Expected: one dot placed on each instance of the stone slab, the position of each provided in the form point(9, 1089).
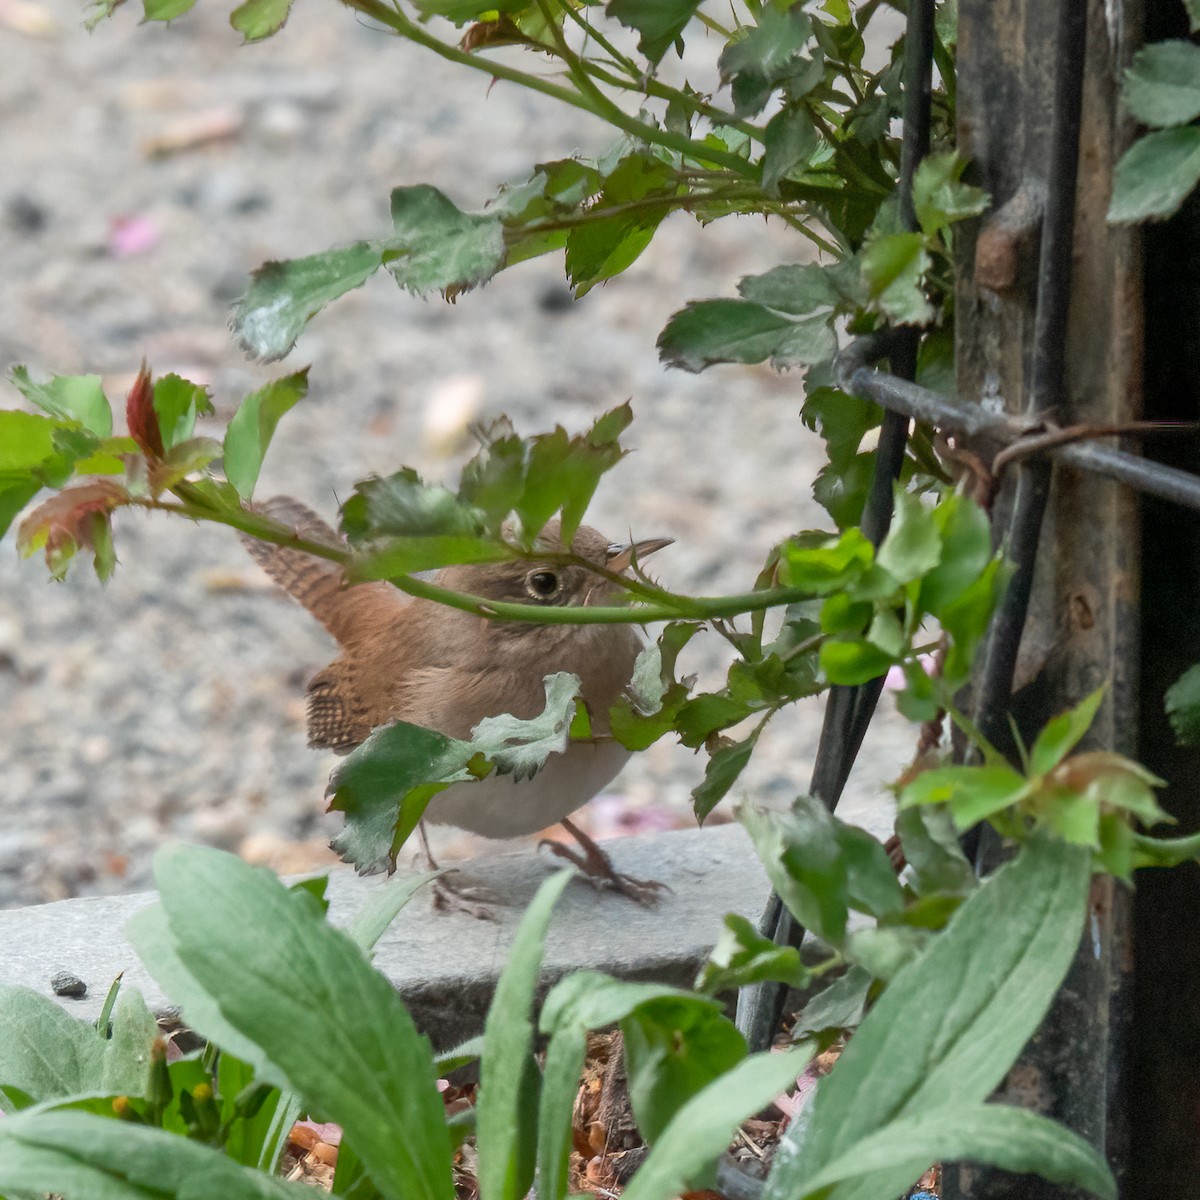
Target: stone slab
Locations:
point(445, 964)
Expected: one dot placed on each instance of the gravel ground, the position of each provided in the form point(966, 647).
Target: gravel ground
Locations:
point(169, 704)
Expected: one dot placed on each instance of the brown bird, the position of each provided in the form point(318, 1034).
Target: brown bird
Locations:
point(415, 660)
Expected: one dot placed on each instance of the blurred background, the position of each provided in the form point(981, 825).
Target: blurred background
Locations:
point(146, 171)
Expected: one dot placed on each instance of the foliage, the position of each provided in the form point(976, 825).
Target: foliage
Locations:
point(299, 1004)
point(1161, 169)
point(796, 129)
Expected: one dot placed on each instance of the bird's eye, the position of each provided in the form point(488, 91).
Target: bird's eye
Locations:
point(542, 584)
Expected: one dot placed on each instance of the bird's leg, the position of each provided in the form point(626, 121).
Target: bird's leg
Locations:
point(455, 897)
point(597, 867)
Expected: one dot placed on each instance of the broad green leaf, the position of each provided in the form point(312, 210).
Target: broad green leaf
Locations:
point(177, 403)
point(840, 419)
point(935, 858)
point(50, 1055)
point(26, 440)
point(972, 793)
point(721, 773)
point(682, 1158)
point(966, 551)
point(461, 11)
point(71, 397)
point(403, 505)
point(253, 425)
point(742, 956)
point(1182, 703)
point(258, 19)
point(820, 564)
point(967, 1007)
point(796, 289)
point(14, 496)
point(1014, 1139)
point(853, 662)
point(894, 267)
point(306, 997)
point(1062, 734)
point(912, 545)
point(1155, 175)
point(884, 951)
point(790, 139)
point(717, 331)
point(939, 196)
point(166, 10)
point(506, 1121)
point(284, 296)
point(675, 1046)
point(519, 747)
point(659, 22)
point(81, 1156)
point(1162, 87)
point(966, 619)
point(436, 246)
point(839, 1006)
point(764, 56)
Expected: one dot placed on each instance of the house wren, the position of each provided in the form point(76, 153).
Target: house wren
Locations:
point(419, 661)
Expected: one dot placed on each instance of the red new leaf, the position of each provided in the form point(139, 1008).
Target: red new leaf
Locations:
point(76, 518)
point(141, 417)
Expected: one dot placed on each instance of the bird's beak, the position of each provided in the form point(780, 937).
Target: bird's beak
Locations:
point(620, 557)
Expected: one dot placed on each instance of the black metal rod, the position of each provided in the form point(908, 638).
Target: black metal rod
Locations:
point(972, 421)
point(848, 710)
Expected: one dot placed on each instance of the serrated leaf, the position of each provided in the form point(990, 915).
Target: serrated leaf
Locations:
point(757, 62)
point(1062, 734)
point(967, 1008)
point(789, 141)
point(742, 956)
point(253, 425)
point(436, 246)
point(931, 847)
point(177, 403)
point(1155, 175)
point(64, 524)
point(819, 564)
point(796, 289)
point(972, 793)
point(14, 496)
point(284, 296)
point(258, 19)
point(659, 22)
point(1162, 86)
point(166, 10)
point(966, 539)
point(404, 505)
point(182, 460)
point(940, 198)
point(26, 440)
point(1182, 703)
point(913, 544)
point(705, 332)
point(721, 773)
point(71, 397)
point(304, 996)
point(853, 662)
point(839, 1006)
point(894, 267)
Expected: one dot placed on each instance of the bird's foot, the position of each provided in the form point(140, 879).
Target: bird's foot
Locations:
point(451, 896)
point(597, 868)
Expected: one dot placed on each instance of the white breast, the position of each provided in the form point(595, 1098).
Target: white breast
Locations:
point(500, 807)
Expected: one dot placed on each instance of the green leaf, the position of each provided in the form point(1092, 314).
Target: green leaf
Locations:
point(166, 10)
point(659, 22)
point(789, 141)
point(258, 19)
point(50, 1055)
point(675, 1047)
point(853, 662)
point(796, 289)
point(14, 496)
point(742, 956)
point(1155, 175)
point(757, 62)
point(894, 267)
point(506, 1122)
point(967, 1007)
point(685, 1152)
point(721, 773)
point(253, 425)
point(304, 996)
point(372, 920)
point(384, 785)
point(973, 793)
point(403, 505)
point(436, 246)
point(913, 544)
point(840, 1006)
point(931, 847)
point(182, 460)
point(884, 951)
point(820, 564)
point(1062, 734)
point(966, 538)
point(284, 296)
point(939, 197)
point(177, 403)
point(1162, 87)
point(1182, 703)
point(70, 397)
point(78, 1154)
point(1013, 1139)
point(26, 440)
point(718, 331)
